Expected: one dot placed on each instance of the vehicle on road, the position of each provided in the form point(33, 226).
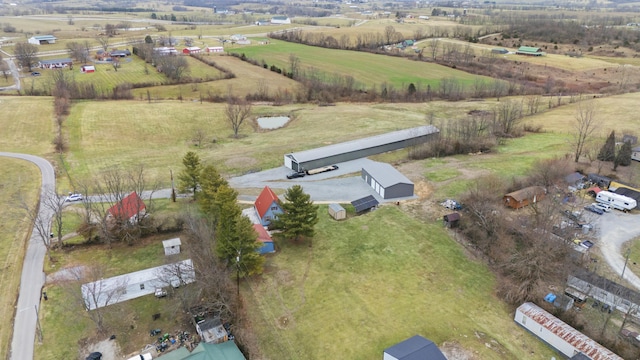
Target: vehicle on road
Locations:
point(35, 73)
point(296, 174)
point(594, 209)
point(322, 169)
point(74, 197)
point(601, 206)
point(94, 356)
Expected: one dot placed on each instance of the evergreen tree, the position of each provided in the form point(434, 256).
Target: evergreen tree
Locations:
point(299, 217)
point(412, 89)
point(608, 150)
point(148, 39)
point(237, 242)
point(210, 182)
point(624, 156)
point(189, 177)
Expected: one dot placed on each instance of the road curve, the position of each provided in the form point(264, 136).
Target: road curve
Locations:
point(32, 280)
point(616, 228)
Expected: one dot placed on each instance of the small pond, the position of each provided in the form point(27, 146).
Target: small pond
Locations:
point(272, 122)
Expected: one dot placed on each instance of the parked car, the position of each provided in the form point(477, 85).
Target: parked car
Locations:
point(94, 356)
point(594, 209)
point(160, 293)
point(35, 73)
point(296, 174)
point(603, 207)
point(74, 197)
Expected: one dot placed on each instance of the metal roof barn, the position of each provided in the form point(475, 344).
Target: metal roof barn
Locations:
point(355, 149)
point(386, 181)
point(559, 335)
point(133, 285)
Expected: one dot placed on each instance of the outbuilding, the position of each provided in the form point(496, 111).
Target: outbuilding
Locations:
point(55, 63)
point(191, 50)
point(601, 181)
point(524, 197)
point(265, 239)
point(499, 51)
point(87, 69)
point(530, 51)
point(337, 212)
point(414, 348)
point(558, 334)
point(42, 39)
point(171, 246)
point(280, 20)
point(451, 220)
point(635, 153)
point(356, 149)
point(366, 203)
point(214, 49)
point(386, 181)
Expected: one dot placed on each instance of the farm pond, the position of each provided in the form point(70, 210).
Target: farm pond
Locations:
point(272, 122)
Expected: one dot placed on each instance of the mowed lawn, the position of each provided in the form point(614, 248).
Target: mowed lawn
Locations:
point(18, 180)
point(365, 68)
point(27, 124)
point(374, 280)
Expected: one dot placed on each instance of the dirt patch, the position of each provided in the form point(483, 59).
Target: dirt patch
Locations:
point(454, 351)
point(109, 349)
point(67, 274)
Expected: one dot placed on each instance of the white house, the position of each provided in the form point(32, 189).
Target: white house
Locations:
point(558, 334)
point(171, 246)
point(133, 285)
point(42, 39)
point(280, 20)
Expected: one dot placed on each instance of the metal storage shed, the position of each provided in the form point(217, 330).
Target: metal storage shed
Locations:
point(171, 246)
point(414, 348)
point(365, 203)
point(355, 149)
point(337, 212)
point(386, 181)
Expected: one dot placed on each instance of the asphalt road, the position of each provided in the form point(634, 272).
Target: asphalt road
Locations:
point(616, 228)
point(32, 280)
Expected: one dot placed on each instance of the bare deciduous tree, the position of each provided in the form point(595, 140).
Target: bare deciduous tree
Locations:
point(236, 112)
point(103, 40)
point(26, 54)
point(584, 127)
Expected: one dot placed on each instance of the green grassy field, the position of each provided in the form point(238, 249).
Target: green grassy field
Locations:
point(365, 68)
point(374, 280)
point(29, 120)
point(19, 179)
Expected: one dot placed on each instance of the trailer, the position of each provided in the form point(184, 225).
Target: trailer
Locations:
point(616, 201)
point(322, 169)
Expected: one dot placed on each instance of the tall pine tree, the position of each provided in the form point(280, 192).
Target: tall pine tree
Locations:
point(210, 182)
point(300, 215)
point(189, 177)
point(608, 150)
point(624, 155)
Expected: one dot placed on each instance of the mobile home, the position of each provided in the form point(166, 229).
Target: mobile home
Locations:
point(616, 201)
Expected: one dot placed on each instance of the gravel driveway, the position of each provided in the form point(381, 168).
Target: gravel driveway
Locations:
point(616, 228)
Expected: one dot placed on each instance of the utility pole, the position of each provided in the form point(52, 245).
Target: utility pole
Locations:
point(625, 263)
point(38, 327)
point(173, 188)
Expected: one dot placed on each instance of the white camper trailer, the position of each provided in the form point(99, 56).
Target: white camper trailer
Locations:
point(616, 201)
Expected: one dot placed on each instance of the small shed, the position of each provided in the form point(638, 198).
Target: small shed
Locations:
point(87, 69)
point(635, 153)
point(601, 181)
point(171, 246)
point(265, 239)
point(414, 348)
point(524, 197)
point(451, 220)
point(212, 331)
point(499, 51)
point(337, 212)
point(365, 203)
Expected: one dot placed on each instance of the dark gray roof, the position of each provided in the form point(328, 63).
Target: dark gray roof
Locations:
point(365, 203)
point(574, 177)
point(56, 61)
point(385, 174)
point(365, 143)
point(416, 348)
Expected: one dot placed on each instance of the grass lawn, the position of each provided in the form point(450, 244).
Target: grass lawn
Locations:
point(367, 69)
point(29, 121)
point(372, 281)
point(19, 179)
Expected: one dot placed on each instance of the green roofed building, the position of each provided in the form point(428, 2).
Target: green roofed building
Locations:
point(223, 351)
point(530, 51)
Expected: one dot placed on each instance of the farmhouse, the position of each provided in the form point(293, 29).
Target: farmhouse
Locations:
point(133, 285)
point(386, 181)
point(530, 51)
point(524, 197)
point(214, 49)
point(191, 50)
point(265, 239)
point(55, 63)
point(267, 206)
point(280, 20)
point(227, 350)
point(355, 149)
point(337, 212)
point(85, 69)
point(42, 39)
point(171, 246)
point(414, 348)
point(131, 209)
point(558, 334)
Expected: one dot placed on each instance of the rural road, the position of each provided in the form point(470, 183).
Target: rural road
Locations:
point(616, 228)
point(32, 280)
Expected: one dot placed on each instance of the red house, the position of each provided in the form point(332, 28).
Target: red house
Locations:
point(130, 209)
point(267, 206)
point(265, 239)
